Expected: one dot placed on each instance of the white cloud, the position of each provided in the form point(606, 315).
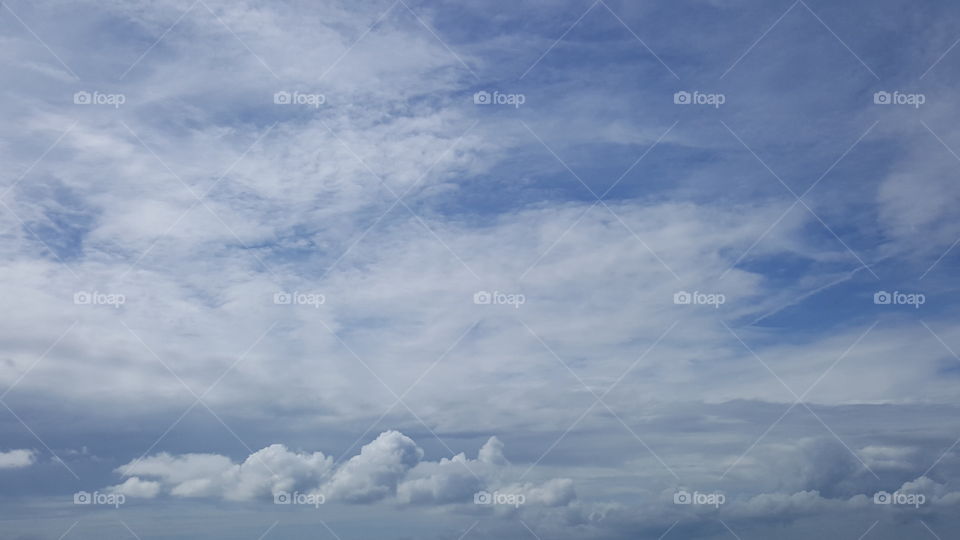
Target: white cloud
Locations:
point(135, 487)
point(389, 468)
point(447, 481)
point(375, 472)
point(263, 473)
point(492, 452)
point(17, 459)
point(555, 492)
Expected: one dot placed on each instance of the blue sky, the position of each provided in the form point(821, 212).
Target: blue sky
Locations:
point(433, 270)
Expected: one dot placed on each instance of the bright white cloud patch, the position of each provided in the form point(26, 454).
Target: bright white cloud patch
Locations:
point(391, 467)
point(263, 473)
point(17, 459)
point(135, 487)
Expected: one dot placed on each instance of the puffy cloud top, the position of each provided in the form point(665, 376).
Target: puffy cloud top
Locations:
point(374, 473)
point(391, 467)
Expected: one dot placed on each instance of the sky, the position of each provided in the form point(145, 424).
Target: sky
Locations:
point(402, 269)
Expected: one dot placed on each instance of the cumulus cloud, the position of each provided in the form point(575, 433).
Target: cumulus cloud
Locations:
point(391, 468)
point(445, 481)
point(135, 487)
point(555, 492)
point(263, 473)
point(492, 452)
point(374, 473)
point(17, 459)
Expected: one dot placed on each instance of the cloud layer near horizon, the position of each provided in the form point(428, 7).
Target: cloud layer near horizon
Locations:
point(389, 467)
